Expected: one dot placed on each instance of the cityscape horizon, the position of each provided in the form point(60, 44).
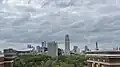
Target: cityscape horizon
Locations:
point(85, 21)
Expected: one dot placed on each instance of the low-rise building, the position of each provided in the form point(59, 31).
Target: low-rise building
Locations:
point(6, 60)
point(103, 59)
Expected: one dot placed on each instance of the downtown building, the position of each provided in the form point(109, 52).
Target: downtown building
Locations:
point(52, 49)
point(67, 45)
point(44, 45)
point(76, 49)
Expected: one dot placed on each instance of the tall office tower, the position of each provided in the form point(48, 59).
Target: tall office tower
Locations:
point(67, 45)
point(97, 46)
point(52, 49)
point(43, 46)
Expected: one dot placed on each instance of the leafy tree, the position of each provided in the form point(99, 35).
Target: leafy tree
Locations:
point(74, 60)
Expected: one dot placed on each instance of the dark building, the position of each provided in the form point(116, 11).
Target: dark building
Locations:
point(86, 48)
point(44, 44)
point(60, 52)
point(97, 46)
point(75, 49)
point(67, 45)
point(38, 48)
point(29, 46)
point(10, 52)
point(103, 58)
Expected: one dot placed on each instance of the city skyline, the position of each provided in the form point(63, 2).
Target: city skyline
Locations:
point(86, 22)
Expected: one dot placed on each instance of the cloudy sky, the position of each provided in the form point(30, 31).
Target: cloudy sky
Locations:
point(33, 21)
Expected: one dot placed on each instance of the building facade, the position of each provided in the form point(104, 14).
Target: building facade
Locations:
point(103, 59)
point(52, 49)
point(67, 45)
point(6, 60)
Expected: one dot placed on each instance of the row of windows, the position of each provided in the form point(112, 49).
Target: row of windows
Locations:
point(95, 65)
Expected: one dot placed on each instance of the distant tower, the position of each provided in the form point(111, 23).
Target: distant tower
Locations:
point(43, 46)
point(67, 45)
point(29, 46)
point(86, 48)
point(97, 46)
point(75, 49)
point(38, 48)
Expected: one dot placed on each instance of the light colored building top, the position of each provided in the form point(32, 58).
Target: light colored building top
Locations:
point(104, 55)
point(26, 49)
point(104, 51)
point(1, 55)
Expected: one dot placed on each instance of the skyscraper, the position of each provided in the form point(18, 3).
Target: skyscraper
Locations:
point(75, 49)
point(97, 46)
point(67, 45)
point(38, 48)
point(52, 49)
point(43, 46)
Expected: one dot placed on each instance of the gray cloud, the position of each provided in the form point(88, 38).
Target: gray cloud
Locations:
point(50, 20)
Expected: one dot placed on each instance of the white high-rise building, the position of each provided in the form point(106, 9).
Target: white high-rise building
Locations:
point(67, 45)
point(52, 49)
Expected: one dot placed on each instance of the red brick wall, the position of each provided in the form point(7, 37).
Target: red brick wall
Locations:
point(1, 59)
point(8, 65)
point(2, 65)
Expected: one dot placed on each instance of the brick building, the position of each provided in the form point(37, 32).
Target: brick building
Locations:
point(103, 59)
point(6, 61)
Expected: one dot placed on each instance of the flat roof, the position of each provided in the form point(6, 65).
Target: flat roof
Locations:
point(25, 49)
point(105, 51)
point(104, 55)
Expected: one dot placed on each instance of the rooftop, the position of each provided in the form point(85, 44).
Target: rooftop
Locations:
point(25, 49)
point(108, 55)
point(103, 52)
point(1, 55)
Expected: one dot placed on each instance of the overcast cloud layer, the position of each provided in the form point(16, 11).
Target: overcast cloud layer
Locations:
point(86, 21)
